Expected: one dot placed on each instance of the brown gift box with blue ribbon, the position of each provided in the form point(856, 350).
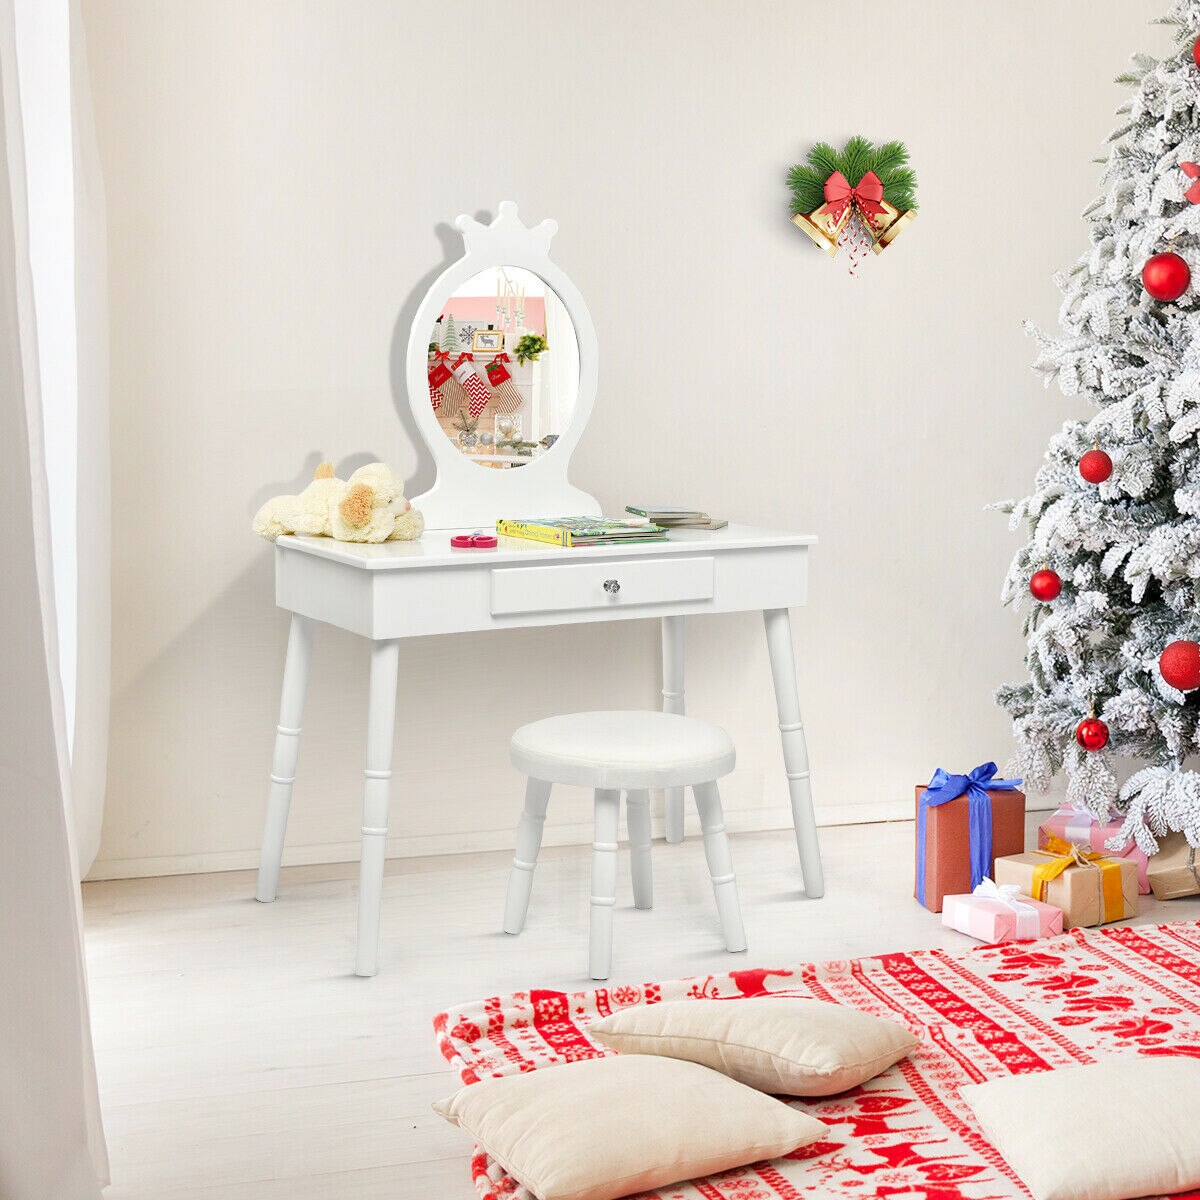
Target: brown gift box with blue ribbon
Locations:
point(949, 853)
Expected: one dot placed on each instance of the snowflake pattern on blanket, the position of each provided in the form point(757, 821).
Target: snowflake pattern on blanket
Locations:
point(980, 1014)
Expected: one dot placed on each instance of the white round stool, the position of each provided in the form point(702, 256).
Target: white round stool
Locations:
point(631, 752)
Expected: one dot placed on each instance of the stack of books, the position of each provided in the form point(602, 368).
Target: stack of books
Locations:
point(676, 518)
point(583, 531)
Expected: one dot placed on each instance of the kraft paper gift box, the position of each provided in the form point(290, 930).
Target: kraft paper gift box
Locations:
point(995, 914)
point(1175, 869)
point(1089, 889)
point(1078, 827)
point(951, 859)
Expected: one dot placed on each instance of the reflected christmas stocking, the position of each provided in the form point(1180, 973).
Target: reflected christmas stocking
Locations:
point(505, 397)
point(445, 392)
point(468, 378)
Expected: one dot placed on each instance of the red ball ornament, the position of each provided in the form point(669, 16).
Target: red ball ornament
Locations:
point(1196, 51)
point(1166, 276)
point(1095, 466)
point(1092, 734)
point(1180, 665)
point(1045, 585)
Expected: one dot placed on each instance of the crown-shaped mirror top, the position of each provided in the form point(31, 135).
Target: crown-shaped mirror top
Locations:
point(479, 238)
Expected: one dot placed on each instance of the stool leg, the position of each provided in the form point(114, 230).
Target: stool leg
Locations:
point(377, 781)
point(637, 813)
point(287, 747)
point(529, 842)
point(672, 695)
point(720, 864)
point(604, 880)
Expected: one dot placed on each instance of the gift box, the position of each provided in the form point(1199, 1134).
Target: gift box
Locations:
point(1079, 827)
point(1089, 888)
point(963, 823)
point(994, 913)
point(1174, 871)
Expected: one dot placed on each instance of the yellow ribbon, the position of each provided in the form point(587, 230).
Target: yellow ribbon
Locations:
point(1062, 856)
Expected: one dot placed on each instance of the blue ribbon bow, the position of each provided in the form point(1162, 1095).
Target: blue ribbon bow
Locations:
point(943, 788)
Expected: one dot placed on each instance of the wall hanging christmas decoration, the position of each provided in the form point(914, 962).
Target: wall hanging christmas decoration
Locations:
point(1095, 466)
point(1045, 585)
point(1131, 548)
point(1166, 276)
point(1179, 664)
point(862, 197)
point(1092, 734)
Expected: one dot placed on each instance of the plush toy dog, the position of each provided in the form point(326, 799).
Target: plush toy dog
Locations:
point(368, 507)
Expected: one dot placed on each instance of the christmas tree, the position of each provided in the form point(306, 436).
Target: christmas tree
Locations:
point(1113, 557)
point(450, 334)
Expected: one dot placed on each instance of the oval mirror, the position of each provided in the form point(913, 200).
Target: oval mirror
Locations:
point(503, 360)
point(501, 375)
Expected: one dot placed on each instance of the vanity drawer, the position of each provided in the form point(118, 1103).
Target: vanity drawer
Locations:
point(600, 585)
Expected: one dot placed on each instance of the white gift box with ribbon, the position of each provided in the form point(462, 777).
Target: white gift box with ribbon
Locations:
point(994, 913)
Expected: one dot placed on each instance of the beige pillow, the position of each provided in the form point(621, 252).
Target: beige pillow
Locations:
point(607, 1127)
point(1124, 1127)
point(781, 1045)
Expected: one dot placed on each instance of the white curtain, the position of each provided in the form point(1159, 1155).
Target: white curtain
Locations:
point(51, 1141)
point(67, 254)
point(90, 465)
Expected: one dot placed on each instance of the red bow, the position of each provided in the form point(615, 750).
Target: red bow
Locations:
point(441, 355)
point(501, 357)
point(1192, 171)
point(866, 197)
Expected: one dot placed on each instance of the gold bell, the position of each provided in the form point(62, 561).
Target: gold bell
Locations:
point(889, 226)
point(822, 227)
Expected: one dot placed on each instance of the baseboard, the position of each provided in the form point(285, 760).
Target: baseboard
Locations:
point(751, 820)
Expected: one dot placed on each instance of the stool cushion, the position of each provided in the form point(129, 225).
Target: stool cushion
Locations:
point(623, 750)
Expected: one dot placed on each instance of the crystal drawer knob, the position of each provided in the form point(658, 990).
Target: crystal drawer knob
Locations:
point(612, 587)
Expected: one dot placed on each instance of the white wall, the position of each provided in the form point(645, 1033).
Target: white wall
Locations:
point(279, 179)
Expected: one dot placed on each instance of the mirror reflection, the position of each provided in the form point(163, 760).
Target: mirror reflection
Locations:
point(503, 368)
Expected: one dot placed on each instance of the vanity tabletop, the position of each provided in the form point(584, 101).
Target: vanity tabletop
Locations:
point(433, 548)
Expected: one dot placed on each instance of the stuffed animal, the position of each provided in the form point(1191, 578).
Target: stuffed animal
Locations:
point(368, 507)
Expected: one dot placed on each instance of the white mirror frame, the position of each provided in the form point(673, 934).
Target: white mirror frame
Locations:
point(465, 495)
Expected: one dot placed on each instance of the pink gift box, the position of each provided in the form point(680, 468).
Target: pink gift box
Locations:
point(994, 915)
point(1076, 827)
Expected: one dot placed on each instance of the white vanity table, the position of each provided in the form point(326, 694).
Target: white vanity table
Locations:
point(395, 590)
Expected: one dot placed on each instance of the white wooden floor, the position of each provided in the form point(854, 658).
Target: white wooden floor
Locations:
point(239, 1057)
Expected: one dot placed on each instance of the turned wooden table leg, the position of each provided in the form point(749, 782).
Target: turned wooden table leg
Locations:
point(795, 752)
point(672, 694)
point(381, 723)
point(287, 749)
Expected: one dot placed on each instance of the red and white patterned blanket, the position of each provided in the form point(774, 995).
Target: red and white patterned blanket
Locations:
point(982, 1013)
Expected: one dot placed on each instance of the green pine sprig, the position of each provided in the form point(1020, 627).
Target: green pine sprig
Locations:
point(889, 161)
